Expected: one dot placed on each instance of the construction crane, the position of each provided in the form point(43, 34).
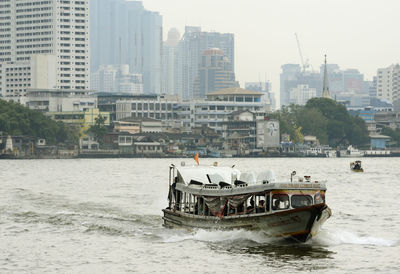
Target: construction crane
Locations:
point(305, 64)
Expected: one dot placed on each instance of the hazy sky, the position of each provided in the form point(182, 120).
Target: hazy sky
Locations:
point(361, 34)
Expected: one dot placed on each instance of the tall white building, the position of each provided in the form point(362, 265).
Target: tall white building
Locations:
point(169, 61)
point(124, 32)
point(388, 83)
point(116, 78)
point(55, 30)
point(189, 56)
point(301, 94)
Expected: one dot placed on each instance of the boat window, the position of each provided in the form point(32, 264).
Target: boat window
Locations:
point(280, 201)
point(301, 201)
point(319, 197)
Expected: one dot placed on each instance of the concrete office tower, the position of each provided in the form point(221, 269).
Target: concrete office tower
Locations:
point(58, 31)
point(372, 88)
point(301, 94)
point(292, 76)
point(169, 59)
point(116, 78)
point(388, 85)
point(123, 32)
point(288, 75)
point(215, 73)
point(190, 49)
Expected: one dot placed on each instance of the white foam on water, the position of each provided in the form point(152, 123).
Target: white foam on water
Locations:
point(329, 238)
point(214, 236)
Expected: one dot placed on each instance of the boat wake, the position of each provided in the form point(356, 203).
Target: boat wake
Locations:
point(324, 238)
point(329, 238)
point(216, 236)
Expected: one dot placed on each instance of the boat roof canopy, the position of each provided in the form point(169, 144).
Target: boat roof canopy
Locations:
point(217, 174)
point(207, 174)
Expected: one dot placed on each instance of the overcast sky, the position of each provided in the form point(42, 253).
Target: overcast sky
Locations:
point(361, 34)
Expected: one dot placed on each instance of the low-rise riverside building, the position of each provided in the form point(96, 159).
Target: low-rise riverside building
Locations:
point(160, 107)
point(245, 133)
point(211, 112)
point(387, 119)
point(59, 100)
point(84, 118)
point(127, 125)
point(379, 141)
point(214, 111)
point(148, 148)
point(107, 101)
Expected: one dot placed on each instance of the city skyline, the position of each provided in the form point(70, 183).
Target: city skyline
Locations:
point(356, 34)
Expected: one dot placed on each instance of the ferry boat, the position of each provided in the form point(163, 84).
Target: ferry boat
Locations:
point(356, 166)
point(213, 197)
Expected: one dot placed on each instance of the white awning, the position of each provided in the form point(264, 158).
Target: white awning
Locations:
point(216, 174)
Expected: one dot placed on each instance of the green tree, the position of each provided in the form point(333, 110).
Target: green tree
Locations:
point(16, 119)
point(99, 130)
point(314, 123)
point(298, 136)
point(394, 134)
point(324, 118)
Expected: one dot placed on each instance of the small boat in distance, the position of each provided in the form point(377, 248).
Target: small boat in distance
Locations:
point(356, 166)
point(351, 152)
point(213, 197)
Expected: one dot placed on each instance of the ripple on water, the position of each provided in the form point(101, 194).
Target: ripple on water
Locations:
point(103, 215)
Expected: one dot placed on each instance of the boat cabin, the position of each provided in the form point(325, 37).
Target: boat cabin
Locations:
point(226, 192)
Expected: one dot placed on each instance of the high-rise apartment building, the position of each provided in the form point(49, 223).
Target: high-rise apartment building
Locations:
point(288, 80)
point(301, 94)
point(116, 78)
point(123, 32)
point(215, 73)
point(49, 39)
point(292, 76)
point(343, 84)
point(388, 83)
point(189, 53)
point(169, 61)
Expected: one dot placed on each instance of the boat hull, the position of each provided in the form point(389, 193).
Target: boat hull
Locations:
point(298, 224)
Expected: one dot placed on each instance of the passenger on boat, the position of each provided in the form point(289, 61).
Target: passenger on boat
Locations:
point(240, 208)
point(251, 207)
point(198, 208)
point(177, 194)
point(276, 204)
point(357, 166)
point(261, 206)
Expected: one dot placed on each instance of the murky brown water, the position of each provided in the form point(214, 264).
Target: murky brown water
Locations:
point(104, 215)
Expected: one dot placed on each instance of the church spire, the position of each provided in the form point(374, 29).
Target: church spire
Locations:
point(325, 90)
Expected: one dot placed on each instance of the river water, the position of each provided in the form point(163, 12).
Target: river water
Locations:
point(104, 215)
